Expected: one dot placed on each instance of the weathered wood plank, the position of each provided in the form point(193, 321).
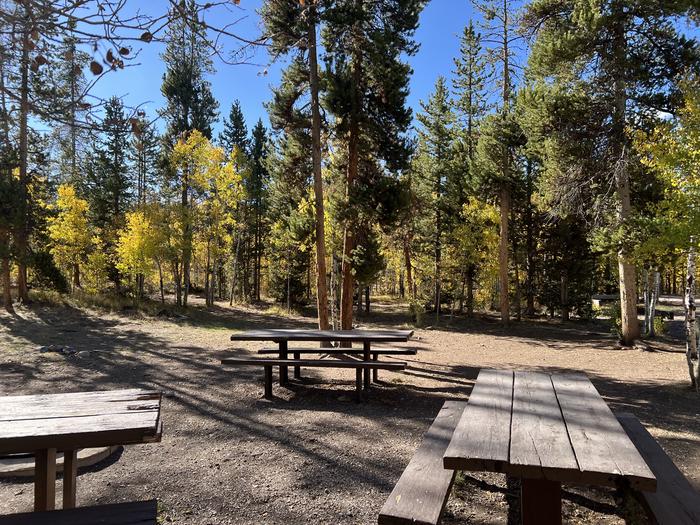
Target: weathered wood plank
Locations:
point(421, 492)
point(386, 336)
point(45, 411)
point(603, 450)
point(675, 501)
point(539, 442)
point(75, 397)
point(481, 440)
point(131, 513)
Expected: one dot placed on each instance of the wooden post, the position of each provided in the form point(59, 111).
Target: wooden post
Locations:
point(268, 381)
point(284, 373)
point(297, 369)
point(45, 479)
point(375, 372)
point(366, 348)
point(358, 383)
point(540, 502)
point(70, 475)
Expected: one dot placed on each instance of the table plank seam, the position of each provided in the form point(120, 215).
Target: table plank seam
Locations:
point(566, 424)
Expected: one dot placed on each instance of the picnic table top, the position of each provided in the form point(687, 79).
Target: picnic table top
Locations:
point(544, 426)
point(378, 336)
point(79, 420)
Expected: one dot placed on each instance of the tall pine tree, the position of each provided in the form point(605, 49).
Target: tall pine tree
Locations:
point(366, 44)
point(620, 60)
point(190, 105)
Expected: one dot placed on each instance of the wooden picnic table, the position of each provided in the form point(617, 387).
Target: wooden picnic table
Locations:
point(46, 423)
point(284, 336)
point(545, 429)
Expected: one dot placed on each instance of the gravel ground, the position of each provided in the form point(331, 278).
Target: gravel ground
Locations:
point(313, 455)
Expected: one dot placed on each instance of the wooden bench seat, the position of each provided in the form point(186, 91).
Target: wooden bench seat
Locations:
point(130, 513)
point(374, 352)
point(420, 495)
point(357, 364)
point(675, 500)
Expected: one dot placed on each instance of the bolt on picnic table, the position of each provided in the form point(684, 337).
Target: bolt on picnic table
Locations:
point(47, 423)
point(284, 336)
point(545, 429)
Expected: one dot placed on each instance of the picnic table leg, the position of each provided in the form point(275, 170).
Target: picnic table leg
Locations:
point(540, 502)
point(366, 348)
point(375, 372)
point(284, 373)
point(268, 381)
point(70, 475)
point(297, 369)
point(358, 383)
point(45, 479)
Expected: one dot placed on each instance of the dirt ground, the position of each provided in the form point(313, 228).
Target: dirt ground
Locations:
point(314, 455)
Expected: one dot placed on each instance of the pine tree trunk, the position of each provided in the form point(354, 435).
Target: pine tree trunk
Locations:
point(321, 286)
point(530, 247)
point(160, 282)
point(471, 271)
point(409, 268)
point(22, 233)
point(438, 258)
point(187, 240)
point(626, 269)
point(691, 338)
point(565, 309)
point(503, 255)
point(347, 291)
point(5, 270)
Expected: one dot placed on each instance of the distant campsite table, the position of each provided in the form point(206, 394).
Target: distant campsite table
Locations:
point(47, 423)
point(284, 336)
point(545, 429)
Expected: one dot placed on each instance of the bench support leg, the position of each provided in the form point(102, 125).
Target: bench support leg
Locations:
point(284, 374)
point(540, 502)
point(375, 372)
point(45, 479)
point(70, 475)
point(297, 369)
point(358, 384)
point(268, 382)
point(367, 357)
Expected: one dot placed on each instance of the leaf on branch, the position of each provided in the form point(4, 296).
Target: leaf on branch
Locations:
point(41, 60)
point(124, 51)
point(110, 56)
point(147, 36)
point(96, 68)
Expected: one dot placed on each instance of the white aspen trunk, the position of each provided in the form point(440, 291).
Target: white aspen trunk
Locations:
point(691, 341)
point(654, 301)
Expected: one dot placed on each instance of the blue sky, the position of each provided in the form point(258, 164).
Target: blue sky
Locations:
point(441, 23)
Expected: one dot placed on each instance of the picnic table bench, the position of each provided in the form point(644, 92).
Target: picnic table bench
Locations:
point(675, 501)
point(129, 513)
point(358, 364)
point(47, 423)
point(376, 352)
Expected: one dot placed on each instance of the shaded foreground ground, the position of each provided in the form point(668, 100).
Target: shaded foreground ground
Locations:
point(313, 455)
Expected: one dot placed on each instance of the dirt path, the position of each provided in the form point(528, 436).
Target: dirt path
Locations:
point(313, 454)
